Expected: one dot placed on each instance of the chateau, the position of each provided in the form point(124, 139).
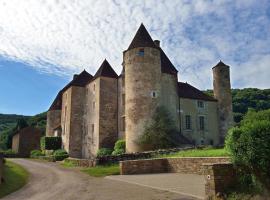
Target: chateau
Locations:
point(92, 112)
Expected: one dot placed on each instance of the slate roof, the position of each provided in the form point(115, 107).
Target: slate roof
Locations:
point(142, 39)
point(105, 70)
point(166, 64)
point(79, 80)
point(221, 64)
point(186, 90)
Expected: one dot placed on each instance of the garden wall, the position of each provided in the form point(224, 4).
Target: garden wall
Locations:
point(187, 165)
point(1, 166)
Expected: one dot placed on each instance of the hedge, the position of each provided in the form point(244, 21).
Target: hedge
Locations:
point(50, 143)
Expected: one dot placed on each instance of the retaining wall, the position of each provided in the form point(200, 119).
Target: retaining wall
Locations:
point(188, 165)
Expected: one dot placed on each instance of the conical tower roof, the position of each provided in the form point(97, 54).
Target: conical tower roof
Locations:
point(142, 39)
point(106, 70)
point(221, 64)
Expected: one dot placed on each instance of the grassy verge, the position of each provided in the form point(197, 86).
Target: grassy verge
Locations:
point(15, 177)
point(101, 171)
point(67, 164)
point(207, 152)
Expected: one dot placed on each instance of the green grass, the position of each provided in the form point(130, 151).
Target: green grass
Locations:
point(207, 152)
point(15, 177)
point(101, 171)
point(67, 164)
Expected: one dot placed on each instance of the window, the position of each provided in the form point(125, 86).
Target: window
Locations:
point(141, 52)
point(153, 94)
point(92, 128)
point(188, 122)
point(201, 123)
point(94, 87)
point(123, 124)
point(200, 104)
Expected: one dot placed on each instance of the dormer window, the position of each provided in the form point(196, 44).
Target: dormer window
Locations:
point(141, 52)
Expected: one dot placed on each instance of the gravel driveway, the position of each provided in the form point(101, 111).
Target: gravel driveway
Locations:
point(49, 181)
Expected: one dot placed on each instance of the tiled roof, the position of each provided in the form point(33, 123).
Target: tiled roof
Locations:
point(220, 64)
point(187, 91)
point(106, 70)
point(79, 80)
point(142, 39)
point(166, 64)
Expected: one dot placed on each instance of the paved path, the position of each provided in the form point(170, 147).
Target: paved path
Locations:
point(187, 184)
point(49, 181)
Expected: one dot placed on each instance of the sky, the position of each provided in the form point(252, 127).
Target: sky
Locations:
point(44, 42)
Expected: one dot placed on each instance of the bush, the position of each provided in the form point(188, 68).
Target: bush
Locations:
point(161, 132)
point(118, 152)
point(249, 145)
point(60, 152)
point(119, 147)
point(36, 153)
point(104, 152)
point(50, 143)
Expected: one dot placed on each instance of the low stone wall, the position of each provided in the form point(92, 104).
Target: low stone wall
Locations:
point(1, 166)
point(188, 165)
point(218, 176)
point(82, 162)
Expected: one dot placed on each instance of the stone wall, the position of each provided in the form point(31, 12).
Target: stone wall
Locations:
point(142, 79)
point(53, 120)
point(222, 92)
point(187, 165)
point(218, 177)
point(82, 162)
point(1, 166)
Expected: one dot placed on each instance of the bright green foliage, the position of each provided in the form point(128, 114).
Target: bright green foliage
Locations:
point(60, 154)
point(119, 147)
point(160, 132)
point(15, 177)
point(101, 171)
point(249, 145)
point(36, 153)
point(104, 152)
point(207, 152)
point(50, 143)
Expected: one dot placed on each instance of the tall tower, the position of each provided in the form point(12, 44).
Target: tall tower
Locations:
point(222, 92)
point(142, 66)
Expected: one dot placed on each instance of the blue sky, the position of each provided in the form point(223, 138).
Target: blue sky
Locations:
point(42, 43)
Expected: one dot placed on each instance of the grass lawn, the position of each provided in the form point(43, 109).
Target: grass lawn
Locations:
point(15, 177)
point(101, 171)
point(207, 152)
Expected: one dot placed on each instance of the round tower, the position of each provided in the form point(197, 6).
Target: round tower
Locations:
point(222, 92)
point(142, 67)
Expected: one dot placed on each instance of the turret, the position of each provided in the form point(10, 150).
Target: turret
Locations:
point(142, 67)
point(222, 92)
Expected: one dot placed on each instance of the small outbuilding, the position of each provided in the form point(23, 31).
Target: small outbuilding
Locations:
point(26, 140)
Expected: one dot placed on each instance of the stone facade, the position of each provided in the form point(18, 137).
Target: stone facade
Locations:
point(95, 111)
point(218, 177)
point(26, 140)
point(187, 165)
point(222, 92)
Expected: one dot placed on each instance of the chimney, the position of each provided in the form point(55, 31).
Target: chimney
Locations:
point(157, 43)
point(75, 76)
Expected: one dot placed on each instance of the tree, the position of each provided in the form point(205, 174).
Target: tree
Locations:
point(160, 132)
point(249, 145)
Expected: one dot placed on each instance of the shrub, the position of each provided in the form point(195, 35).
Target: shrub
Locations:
point(36, 153)
point(161, 132)
point(249, 145)
point(50, 143)
point(120, 144)
point(118, 152)
point(104, 152)
point(60, 152)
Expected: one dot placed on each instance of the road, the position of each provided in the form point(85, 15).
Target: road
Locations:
point(49, 181)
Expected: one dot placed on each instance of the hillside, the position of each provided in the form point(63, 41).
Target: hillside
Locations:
point(10, 123)
point(243, 99)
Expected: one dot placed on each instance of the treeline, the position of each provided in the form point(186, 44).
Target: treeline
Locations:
point(248, 98)
point(12, 125)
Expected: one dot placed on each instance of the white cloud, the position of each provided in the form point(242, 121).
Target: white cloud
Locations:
point(64, 37)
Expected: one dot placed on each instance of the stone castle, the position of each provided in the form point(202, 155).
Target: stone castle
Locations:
point(92, 112)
